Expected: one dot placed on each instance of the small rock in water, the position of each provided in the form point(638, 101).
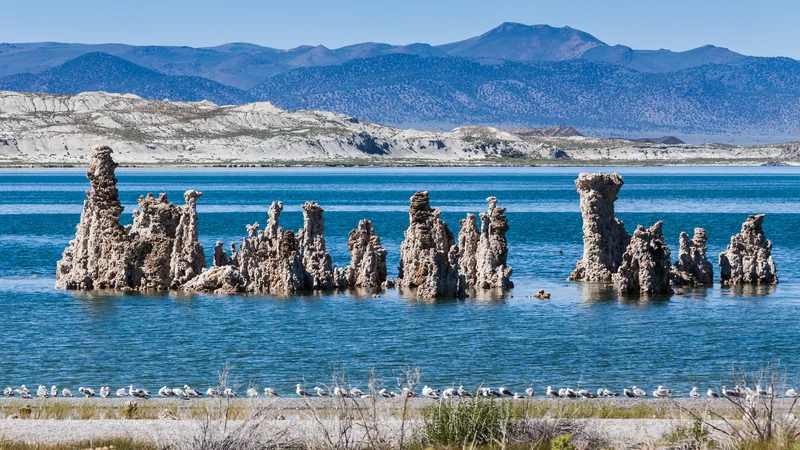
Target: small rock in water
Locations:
point(541, 294)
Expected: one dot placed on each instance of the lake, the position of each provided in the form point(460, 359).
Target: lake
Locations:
point(583, 336)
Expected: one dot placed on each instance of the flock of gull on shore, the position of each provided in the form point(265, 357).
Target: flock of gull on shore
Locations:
point(188, 392)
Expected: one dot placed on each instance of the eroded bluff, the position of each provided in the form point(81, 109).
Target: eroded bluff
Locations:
point(692, 267)
point(158, 251)
point(748, 258)
point(604, 236)
point(645, 266)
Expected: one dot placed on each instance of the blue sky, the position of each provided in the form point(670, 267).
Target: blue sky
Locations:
point(766, 28)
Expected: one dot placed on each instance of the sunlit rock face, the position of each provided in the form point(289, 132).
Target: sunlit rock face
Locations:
point(748, 258)
point(645, 267)
point(604, 236)
point(428, 254)
point(160, 249)
point(692, 267)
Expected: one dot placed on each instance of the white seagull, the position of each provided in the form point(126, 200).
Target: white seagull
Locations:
point(8, 392)
point(121, 392)
point(638, 392)
point(551, 392)
point(530, 392)
point(165, 392)
point(693, 393)
point(269, 392)
point(356, 392)
point(87, 392)
point(105, 392)
point(662, 392)
point(66, 393)
point(712, 394)
point(385, 393)
point(628, 393)
point(23, 391)
point(408, 393)
point(42, 392)
point(138, 392)
point(463, 392)
point(321, 392)
point(791, 393)
point(341, 393)
point(182, 394)
point(190, 392)
point(252, 393)
point(229, 393)
point(505, 392)
point(54, 391)
point(211, 392)
point(430, 393)
point(585, 394)
point(301, 392)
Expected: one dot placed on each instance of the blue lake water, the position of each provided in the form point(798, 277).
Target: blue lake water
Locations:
point(584, 335)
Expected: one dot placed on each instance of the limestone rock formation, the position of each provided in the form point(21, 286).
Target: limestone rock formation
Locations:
point(274, 261)
point(311, 244)
point(160, 249)
point(604, 236)
point(367, 267)
point(428, 254)
point(748, 258)
point(645, 264)
point(483, 256)
point(692, 266)
point(96, 258)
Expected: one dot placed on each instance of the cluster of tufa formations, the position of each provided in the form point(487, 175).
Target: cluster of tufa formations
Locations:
point(432, 263)
point(160, 250)
point(641, 264)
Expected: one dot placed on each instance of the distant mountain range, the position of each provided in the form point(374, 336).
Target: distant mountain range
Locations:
point(513, 75)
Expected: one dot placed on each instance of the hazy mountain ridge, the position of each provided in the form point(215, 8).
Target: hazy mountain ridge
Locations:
point(103, 72)
point(245, 65)
point(762, 94)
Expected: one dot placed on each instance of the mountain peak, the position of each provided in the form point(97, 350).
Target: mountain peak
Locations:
point(520, 42)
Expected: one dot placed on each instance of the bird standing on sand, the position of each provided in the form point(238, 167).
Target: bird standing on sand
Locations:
point(712, 394)
point(662, 392)
point(8, 392)
point(530, 392)
point(693, 393)
point(42, 392)
point(23, 391)
point(628, 393)
point(105, 391)
point(791, 393)
point(638, 392)
point(585, 393)
point(269, 392)
point(87, 392)
point(552, 393)
point(181, 393)
point(66, 393)
point(356, 392)
point(121, 392)
point(430, 393)
point(229, 393)
point(408, 393)
point(301, 392)
point(138, 392)
point(505, 392)
point(321, 392)
point(54, 391)
point(211, 392)
point(165, 392)
point(252, 393)
point(191, 392)
point(463, 392)
point(385, 393)
point(341, 393)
